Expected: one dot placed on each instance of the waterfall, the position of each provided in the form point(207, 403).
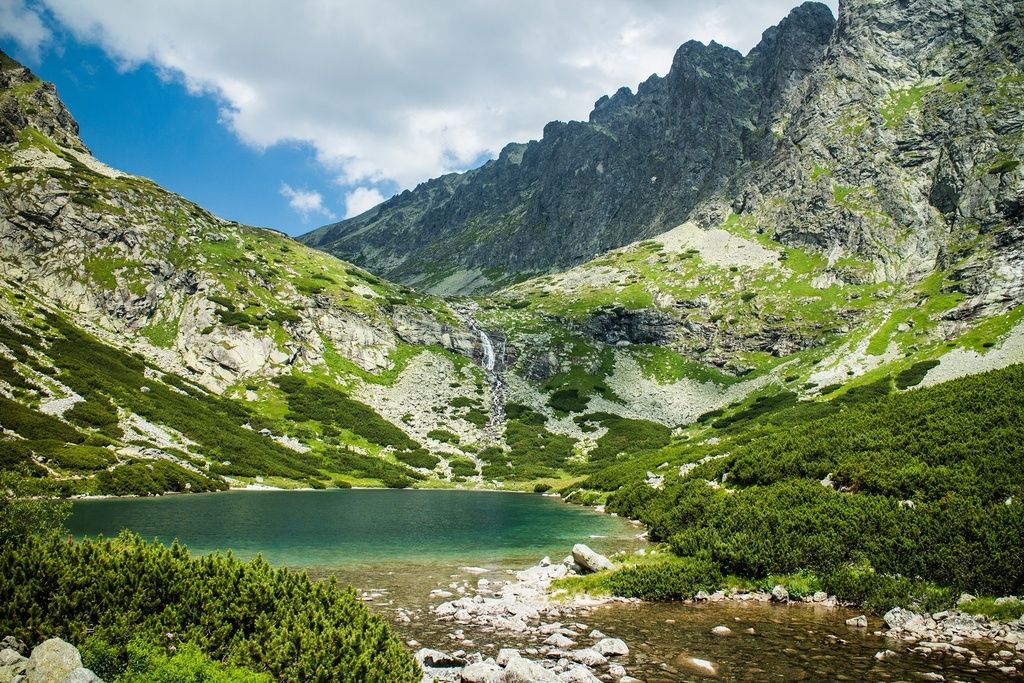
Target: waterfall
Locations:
point(485, 341)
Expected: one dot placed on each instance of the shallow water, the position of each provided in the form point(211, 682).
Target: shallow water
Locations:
point(397, 546)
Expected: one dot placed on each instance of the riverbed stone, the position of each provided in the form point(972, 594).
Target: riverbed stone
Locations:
point(521, 670)
point(898, 617)
point(860, 621)
point(559, 641)
point(482, 672)
point(578, 674)
point(612, 647)
point(588, 656)
point(780, 594)
point(590, 560)
point(437, 659)
point(721, 631)
point(506, 655)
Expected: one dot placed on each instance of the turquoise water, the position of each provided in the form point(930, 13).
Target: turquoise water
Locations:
point(346, 528)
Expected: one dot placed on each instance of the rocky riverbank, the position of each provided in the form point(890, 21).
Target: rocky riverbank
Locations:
point(560, 647)
point(555, 643)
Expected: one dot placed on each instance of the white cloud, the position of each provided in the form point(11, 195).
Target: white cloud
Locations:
point(306, 202)
point(398, 91)
point(361, 199)
point(24, 27)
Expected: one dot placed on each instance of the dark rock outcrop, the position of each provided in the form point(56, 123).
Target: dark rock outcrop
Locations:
point(639, 166)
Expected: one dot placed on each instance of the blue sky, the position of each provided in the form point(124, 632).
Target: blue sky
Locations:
point(291, 115)
point(138, 122)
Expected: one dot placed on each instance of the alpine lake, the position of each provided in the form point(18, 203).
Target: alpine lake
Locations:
point(396, 546)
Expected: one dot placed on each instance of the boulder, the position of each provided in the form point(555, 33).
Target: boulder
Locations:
point(437, 659)
point(9, 657)
point(482, 672)
point(53, 661)
point(611, 647)
point(897, 617)
point(588, 656)
point(520, 670)
point(859, 622)
point(578, 674)
point(590, 560)
point(12, 643)
point(506, 655)
point(559, 641)
point(780, 594)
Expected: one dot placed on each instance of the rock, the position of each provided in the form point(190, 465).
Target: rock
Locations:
point(588, 656)
point(12, 643)
point(437, 659)
point(596, 635)
point(482, 672)
point(9, 657)
point(590, 560)
point(53, 661)
point(612, 647)
point(616, 671)
point(883, 655)
point(520, 670)
point(721, 631)
point(898, 617)
point(702, 596)
point(578, 674)
point(81, 675)
point(780, 594)
point(819, 596)
point(965, 598)
point(702, 666)
point(931, 676)
point(558, 640)
point(860, 622)
point(506, 655)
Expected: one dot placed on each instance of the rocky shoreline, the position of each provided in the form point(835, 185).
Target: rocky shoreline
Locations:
point(561, 647)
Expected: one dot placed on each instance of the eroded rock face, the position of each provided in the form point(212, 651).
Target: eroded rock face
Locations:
point(902, 145)
point(640, 164)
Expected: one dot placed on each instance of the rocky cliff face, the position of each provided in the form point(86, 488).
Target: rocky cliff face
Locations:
point(214, 300)
point(895, 138)
point(903, 146)
point(639, 166)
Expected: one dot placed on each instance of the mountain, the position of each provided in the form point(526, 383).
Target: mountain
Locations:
point(638, 167)
point(893, 136)
point(866, 240)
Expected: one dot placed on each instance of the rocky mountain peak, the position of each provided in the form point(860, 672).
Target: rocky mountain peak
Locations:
point(26, 101)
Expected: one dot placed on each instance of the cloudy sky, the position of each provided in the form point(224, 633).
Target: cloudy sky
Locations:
point(296, 114)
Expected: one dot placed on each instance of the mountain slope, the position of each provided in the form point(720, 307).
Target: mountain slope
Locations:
point(148, 345)
point(638, 167)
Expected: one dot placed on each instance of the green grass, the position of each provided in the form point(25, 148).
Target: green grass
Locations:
point(162, 334)
point(902, 102)
point(1008, 610)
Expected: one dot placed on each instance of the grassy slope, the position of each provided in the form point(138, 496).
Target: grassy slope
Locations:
point(928, 496)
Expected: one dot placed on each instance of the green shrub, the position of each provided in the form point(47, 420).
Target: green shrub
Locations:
point(913, 375)
point(443, 435)
point(568, 401)
point(129, 595)
point(462, 467)
point(418, 458)
point(670, 579)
